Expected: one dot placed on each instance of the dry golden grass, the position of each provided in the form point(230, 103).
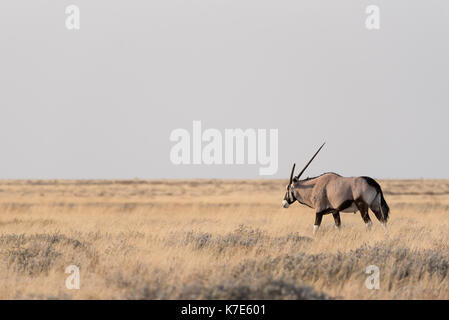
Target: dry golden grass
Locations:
point(215, 239)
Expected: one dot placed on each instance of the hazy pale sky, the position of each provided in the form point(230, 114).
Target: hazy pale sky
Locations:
point(101, 102)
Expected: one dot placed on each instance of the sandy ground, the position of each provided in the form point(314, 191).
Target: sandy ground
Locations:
point(215, 239)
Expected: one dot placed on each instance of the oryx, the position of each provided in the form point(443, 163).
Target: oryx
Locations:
point(332, 193)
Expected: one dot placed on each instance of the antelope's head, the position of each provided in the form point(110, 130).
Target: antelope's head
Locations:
point(289, 197)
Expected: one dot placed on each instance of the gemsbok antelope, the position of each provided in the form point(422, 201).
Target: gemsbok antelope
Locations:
point(332, 193)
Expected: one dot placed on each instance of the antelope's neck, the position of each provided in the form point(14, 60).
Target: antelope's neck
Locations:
point(303, 191)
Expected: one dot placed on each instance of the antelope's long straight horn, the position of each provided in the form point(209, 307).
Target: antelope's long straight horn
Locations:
point(302, 171)
point(292, 173)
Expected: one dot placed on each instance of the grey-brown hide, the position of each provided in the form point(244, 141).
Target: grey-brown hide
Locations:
point(331, 191)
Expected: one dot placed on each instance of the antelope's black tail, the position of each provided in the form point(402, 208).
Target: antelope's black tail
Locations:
point(385, 209)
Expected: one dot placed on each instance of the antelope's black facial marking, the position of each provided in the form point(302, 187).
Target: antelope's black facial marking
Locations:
point(289, 197)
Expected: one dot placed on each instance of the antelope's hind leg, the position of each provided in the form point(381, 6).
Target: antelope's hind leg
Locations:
point(378, 213)
point(337, 220)
point(363, 208)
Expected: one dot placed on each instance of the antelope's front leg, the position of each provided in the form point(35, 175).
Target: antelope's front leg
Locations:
point(363, 208)
point(318, 218)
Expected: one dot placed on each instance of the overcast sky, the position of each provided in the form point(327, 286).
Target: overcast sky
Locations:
point(101, 102)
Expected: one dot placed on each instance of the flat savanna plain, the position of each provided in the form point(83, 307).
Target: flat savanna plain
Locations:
point(215, 239)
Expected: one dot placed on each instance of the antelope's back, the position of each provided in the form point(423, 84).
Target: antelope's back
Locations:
point(339, 190)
